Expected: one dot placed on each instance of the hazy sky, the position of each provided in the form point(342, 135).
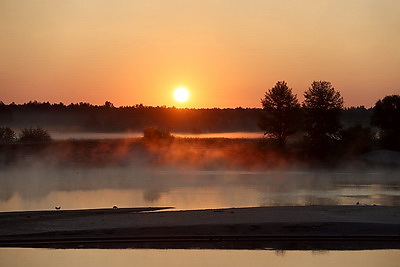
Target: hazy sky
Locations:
point(226, 52)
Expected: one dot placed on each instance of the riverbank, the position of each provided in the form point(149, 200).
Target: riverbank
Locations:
point(302, 227)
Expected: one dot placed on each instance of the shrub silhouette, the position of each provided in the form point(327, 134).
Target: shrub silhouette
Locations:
point(7, 135)
point(34, 135)
point(154, 133)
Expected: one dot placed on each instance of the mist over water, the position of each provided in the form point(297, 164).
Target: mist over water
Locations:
point(185, 173)
point(41, 187)
point(86, 175)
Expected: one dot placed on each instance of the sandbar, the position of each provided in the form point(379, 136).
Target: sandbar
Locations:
point(287, 227)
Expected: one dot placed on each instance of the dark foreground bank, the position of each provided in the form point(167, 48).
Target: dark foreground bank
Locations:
point(305, 227)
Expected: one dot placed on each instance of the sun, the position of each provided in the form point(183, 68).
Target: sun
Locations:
point(181, 94)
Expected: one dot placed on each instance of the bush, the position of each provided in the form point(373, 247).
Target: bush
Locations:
point(34, 135)
point(7, 135)
point(154, 133)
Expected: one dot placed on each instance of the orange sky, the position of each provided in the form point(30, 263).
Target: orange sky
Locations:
point(226, 52)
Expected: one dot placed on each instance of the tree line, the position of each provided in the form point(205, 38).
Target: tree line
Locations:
point(86, 117)
point(108, 118)
point(318, 118)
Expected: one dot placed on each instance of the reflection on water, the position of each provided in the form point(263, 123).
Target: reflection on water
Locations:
point(42, 187)
point(94, 257)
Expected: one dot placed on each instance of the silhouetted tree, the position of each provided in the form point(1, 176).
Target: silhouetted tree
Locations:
point(322, 106)
point(386, 116)
point(34, 135)
point(7, 135)
point(282, 113)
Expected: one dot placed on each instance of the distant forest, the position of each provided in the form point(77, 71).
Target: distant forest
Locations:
point(108, 118)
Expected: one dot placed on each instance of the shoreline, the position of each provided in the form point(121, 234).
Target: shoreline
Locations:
point(287, 227)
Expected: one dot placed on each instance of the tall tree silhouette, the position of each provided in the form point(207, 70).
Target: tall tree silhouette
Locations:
point(386, 116)
point(322, 106)
point(281, 116)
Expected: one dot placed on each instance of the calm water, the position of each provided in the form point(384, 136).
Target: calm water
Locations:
point(175, 258)
point(40, 188)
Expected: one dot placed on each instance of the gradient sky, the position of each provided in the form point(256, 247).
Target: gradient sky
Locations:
point(226, 52)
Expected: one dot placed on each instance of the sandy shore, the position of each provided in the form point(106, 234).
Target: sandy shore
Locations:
point(352, 227)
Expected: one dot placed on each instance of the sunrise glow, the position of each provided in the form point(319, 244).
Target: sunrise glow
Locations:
point(133, 52)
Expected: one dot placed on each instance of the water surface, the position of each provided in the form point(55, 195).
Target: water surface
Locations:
point(175, 258)
point(41, 188)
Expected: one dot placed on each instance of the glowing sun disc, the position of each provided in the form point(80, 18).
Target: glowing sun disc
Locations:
point(181, 94)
